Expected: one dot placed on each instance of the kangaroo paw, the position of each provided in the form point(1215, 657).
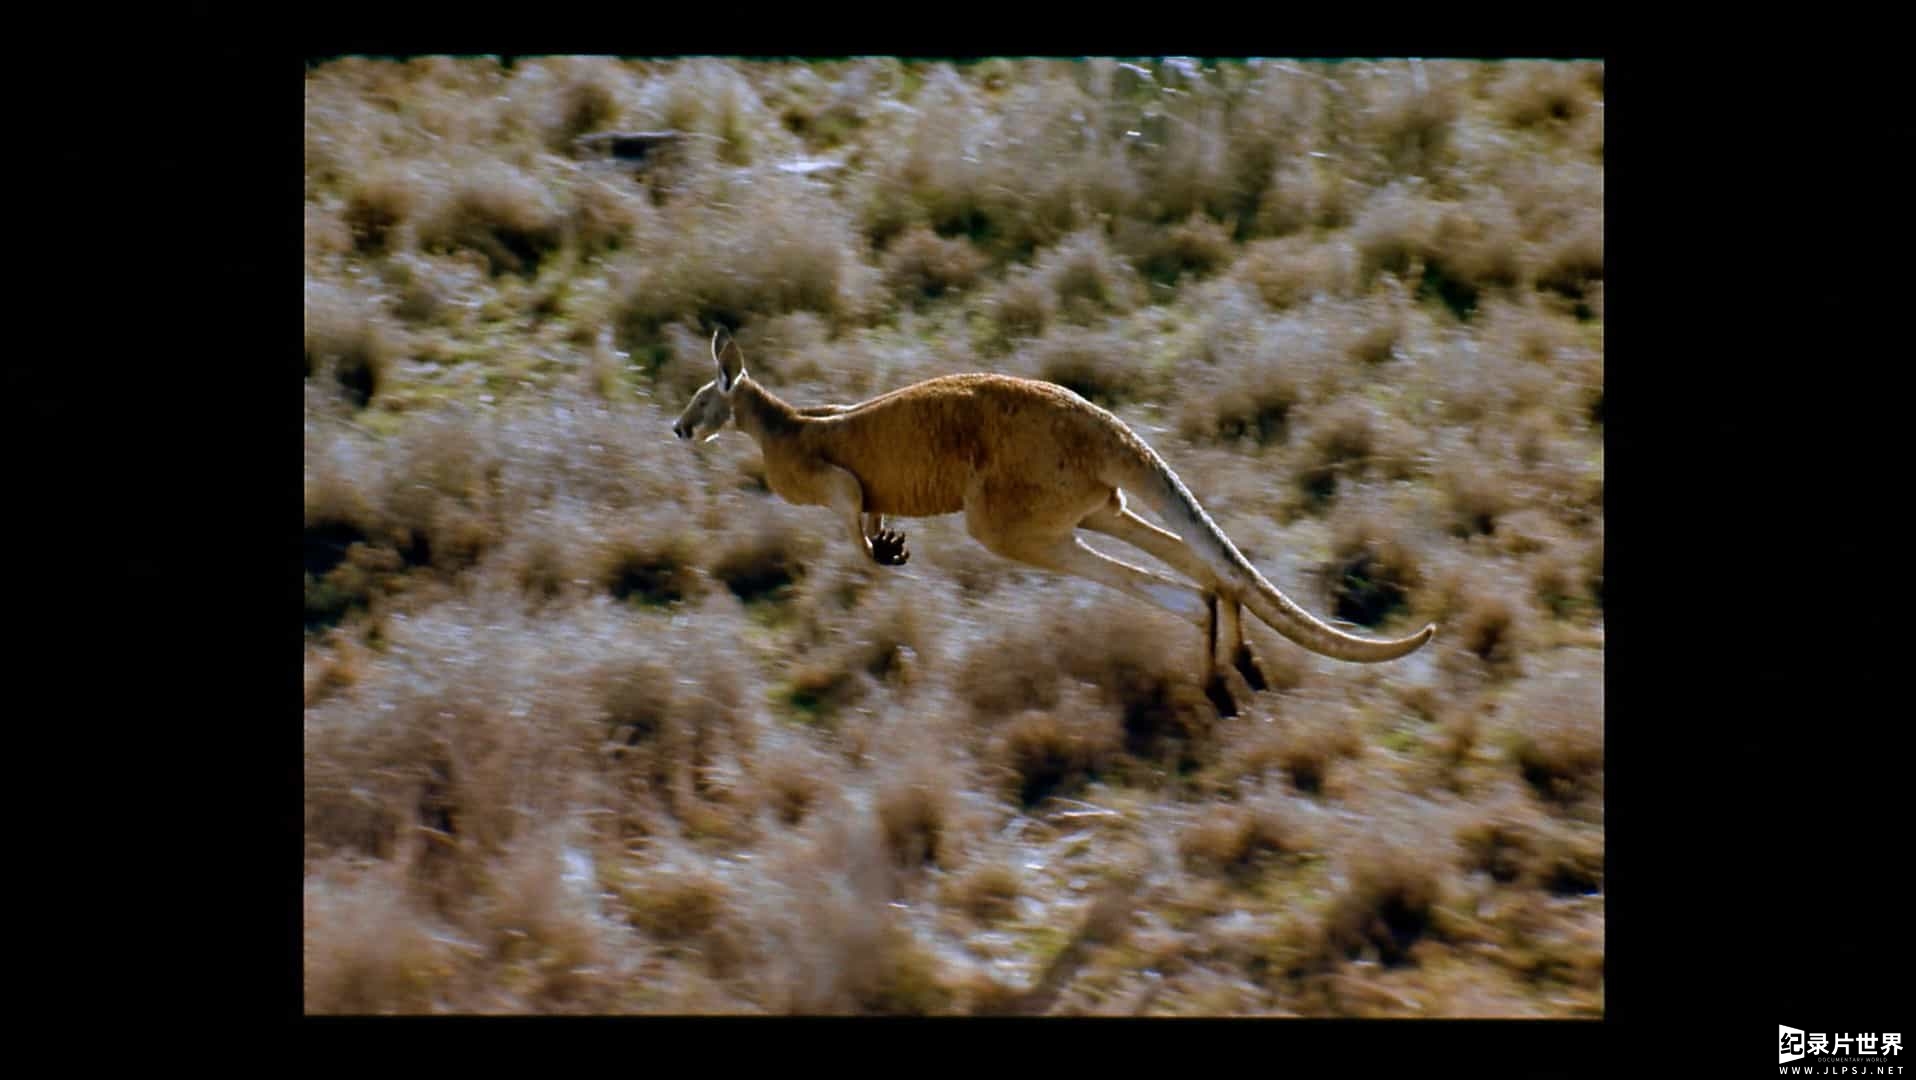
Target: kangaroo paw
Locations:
point(1219, 691)
point(888, 548)
point(1247, 666)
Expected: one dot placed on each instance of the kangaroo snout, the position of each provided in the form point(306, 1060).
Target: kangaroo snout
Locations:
point(679, 429)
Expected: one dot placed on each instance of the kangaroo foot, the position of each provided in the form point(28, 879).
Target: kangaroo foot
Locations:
point(1246, 663)
point(1219, 691)
point(888, 548)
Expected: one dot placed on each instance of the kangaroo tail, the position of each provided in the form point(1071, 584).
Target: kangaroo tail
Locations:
point(1147, 476)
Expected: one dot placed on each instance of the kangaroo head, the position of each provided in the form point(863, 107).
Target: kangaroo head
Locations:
point(711, 408)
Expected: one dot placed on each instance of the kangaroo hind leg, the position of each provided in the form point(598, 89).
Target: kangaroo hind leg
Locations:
point(1226, 645)
point(1070, 555)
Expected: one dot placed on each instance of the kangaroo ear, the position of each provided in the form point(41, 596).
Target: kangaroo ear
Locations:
point(731, 362)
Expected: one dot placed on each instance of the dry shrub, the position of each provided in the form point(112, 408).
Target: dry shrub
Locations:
point(1350, 440)
point(1115, 644)
point(1010, 672)
point(433, 291)
point(1293, 269)
point(1514, 846)
point(497, 210)
point(678, 898)
point(368, 949)
point(438, 489)
point(760, 559)
point(1022, 307)
point(1385, 909)
point(1558, 744)
point(1474, 248)
point(712, 98)
point(676, 732)
point(343, 572)
point(886, 637)
point(1505, 844)
point(792, 775)
point(1373, 571)
point(823, 113)
point(764, 246)
point(341, 487)
point(1480, 621)
point(1542, 93)
point(1231, 839)
point(1571, 267)
point(1088, 278)
point(326, 234)
point(1378, 340)
point(540, 911)
point(1252, 402)
point(605, 214)
point(1525, 332)
point(1525, 532)
point(1393, 234)
point(1304, 193)
point(923, 265)
point(647, 569)
point(453, 740)
point(919, 812)
point(1165, 254)
point(348, 341)
point(1560, 582)
point(379, 204)
point(1548, 196)
point(1054, 750)
point(1405, 122)
point(1188, 164)
point(567, 97)
point(1307, 744)
point(813, 917)
point(1101, 367)
point(986, 888)
point(1593, 569)
point(1478, 492)
point(1012, 175)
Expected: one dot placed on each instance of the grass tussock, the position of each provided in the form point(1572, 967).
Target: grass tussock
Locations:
point(1023, 307)
point(349, 343)
point(378, 205)
point(763, 560)
point(594, 723)
point(1239, 405)
point(754, 249)
point(1089, 278)
point(1374, 571)
point(369, 949)
point(1385, 911)
point(1559, 740)
point(1235, 838)
point(1542, 94)
point(1191, 249)
point(921, 265)
point(1347, 443)
point(497, 210)
point(1291, 270)
point(1405, 119)
point(1099, 367)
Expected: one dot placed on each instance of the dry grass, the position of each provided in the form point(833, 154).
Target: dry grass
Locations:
point(593, 723)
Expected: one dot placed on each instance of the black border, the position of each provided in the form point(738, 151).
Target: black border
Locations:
point(1751, 317)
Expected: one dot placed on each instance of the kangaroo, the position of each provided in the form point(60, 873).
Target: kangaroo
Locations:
point(1029, 464)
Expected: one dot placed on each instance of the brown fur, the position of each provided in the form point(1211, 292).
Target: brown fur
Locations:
point(1029, 464)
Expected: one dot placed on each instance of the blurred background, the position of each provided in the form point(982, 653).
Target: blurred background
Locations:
point(594, 723)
